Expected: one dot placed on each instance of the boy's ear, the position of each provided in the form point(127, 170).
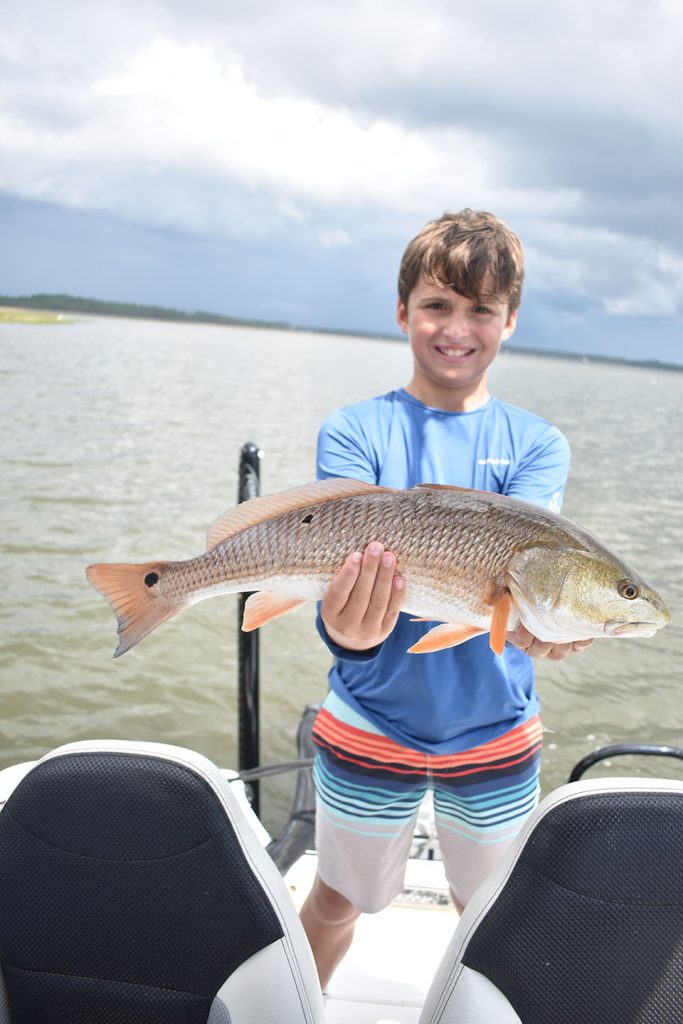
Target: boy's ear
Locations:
point(402, 316)
point(509, 328)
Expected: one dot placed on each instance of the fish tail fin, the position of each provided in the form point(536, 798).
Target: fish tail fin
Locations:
point(132, 593)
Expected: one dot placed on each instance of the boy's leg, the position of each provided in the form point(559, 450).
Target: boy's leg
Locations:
point(329, 921)
point(482, 797)
point(368, 792)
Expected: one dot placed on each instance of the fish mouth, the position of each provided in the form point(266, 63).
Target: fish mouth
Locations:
point(643, 629)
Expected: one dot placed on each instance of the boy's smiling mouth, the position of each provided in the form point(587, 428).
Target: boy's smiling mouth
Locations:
point(454, 351)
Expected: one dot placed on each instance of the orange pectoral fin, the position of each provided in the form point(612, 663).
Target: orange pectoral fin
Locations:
point(499, 622)
point(448, 634)
point(265, 605)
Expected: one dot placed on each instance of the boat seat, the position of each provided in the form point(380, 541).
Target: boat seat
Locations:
point(135, 891)
point(581, 922)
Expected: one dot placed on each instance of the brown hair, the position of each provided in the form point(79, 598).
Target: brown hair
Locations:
point(471, 252)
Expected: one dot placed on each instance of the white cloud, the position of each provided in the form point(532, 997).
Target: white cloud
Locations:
point(351, 124)
point(185, 117)
point(334, 237)
point(290, 210)
point(587, 55)
point(625, 276)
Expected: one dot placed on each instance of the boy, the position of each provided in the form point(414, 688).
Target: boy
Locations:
point(462, 721)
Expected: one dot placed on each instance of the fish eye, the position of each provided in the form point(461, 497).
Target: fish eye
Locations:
point(628, 590)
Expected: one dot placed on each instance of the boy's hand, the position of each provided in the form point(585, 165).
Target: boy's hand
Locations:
point(362, 602)
point(527, 642)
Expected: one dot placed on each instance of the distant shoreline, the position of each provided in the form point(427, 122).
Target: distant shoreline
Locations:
point(52, 304)
point(585, 357)
point(49, 309)
point(16, 315)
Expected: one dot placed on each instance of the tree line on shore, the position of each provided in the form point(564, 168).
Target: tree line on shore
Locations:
point(76, 304)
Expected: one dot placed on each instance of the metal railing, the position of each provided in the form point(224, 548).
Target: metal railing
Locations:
point(619, 750)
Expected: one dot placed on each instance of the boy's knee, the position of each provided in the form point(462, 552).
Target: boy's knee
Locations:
point(330, 906)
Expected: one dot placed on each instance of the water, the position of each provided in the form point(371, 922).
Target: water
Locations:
point(120, 441)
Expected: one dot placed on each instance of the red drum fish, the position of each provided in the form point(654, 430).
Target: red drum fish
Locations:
point(472, 561)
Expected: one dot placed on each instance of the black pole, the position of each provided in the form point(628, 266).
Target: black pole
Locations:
point(248, 643)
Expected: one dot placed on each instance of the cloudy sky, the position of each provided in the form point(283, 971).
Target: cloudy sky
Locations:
point(268, 159)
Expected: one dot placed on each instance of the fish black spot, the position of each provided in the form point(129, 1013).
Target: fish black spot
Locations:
point(308, 518)
point(151, 578)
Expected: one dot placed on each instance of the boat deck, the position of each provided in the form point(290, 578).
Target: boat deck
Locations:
point(385, 976)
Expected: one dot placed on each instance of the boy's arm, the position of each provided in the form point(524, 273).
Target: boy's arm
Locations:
point(541, 478)
point(541, 475)
point(344, 450)
point(362, 603)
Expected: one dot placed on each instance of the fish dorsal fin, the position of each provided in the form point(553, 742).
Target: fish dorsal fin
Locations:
point(257, 510)
point(441, 487)
point(450, 487)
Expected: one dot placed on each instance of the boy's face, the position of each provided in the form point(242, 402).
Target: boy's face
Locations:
point(454, 341)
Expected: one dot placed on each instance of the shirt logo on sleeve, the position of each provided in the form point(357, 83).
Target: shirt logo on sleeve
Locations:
point(493, 462)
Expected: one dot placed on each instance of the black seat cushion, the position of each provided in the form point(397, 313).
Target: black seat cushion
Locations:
point(584, 891)
point(126, 894)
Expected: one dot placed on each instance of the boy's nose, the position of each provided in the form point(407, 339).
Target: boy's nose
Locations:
point(456, 327)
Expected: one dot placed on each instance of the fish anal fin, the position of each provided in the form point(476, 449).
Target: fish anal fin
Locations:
point(448, 634)
point(265, 605)
point(258, 510)
point(499, 622)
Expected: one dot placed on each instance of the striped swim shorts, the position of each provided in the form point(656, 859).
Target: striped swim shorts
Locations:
point(369, 789)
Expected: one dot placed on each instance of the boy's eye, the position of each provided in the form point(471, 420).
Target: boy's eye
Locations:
point(482, 309)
